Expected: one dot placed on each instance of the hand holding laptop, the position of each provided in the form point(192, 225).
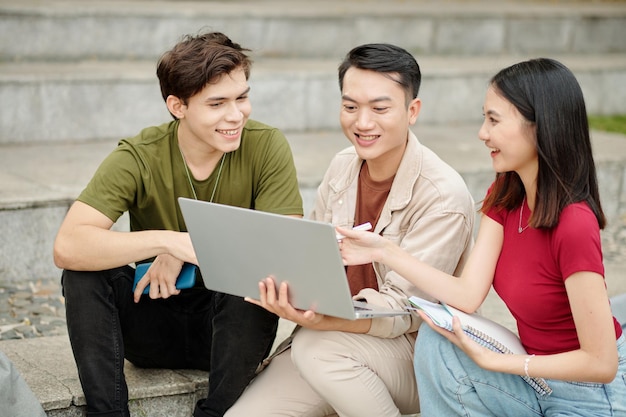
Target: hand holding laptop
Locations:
point(276, 300)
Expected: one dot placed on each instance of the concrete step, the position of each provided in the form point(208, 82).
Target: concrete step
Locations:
point(76, 70)
point(39, 182)
point(96, 100)
point(62, 30)
point(48, 366)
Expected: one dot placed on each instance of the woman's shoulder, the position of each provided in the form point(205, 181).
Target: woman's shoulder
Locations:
point(577, 212)
point(576, 221)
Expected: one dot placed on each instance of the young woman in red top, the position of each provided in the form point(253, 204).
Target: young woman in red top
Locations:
point(539, 246)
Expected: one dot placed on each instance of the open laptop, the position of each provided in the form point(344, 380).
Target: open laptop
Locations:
point(236, 248)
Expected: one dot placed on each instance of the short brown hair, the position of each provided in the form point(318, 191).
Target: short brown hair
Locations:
point(198, 60)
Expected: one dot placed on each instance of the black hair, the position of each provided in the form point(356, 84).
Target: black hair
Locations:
point(548, 96)
point(394, 62)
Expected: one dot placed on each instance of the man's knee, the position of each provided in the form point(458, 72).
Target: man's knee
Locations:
point(316, 353)
point(304, 347)
point(80, 283)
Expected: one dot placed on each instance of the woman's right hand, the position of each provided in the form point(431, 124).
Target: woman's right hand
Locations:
point(360, 247)
point(479, 354)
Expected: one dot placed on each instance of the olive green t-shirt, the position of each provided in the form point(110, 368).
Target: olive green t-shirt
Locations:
point(146, 174)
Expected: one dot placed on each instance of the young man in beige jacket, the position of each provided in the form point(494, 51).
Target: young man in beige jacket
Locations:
point(409, 195)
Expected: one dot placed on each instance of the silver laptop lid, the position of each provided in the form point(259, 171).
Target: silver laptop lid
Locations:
point(236, 248)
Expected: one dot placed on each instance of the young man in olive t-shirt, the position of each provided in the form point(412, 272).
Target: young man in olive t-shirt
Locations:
point(211, 152)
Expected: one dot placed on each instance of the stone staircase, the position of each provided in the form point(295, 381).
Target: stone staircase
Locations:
point(77, 75)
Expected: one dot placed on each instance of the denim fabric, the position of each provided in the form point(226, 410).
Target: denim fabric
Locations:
point(198, 329)
point(589, 399)
point(451, 384)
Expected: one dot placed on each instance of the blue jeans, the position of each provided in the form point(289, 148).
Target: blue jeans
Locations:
point(197, 329)
point(451, 384)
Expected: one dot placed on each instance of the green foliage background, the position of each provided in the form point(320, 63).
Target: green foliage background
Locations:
point(615, 124)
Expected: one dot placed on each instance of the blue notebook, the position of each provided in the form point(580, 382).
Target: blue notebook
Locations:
point(186, 278)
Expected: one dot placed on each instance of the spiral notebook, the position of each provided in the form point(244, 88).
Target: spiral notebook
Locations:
point(486, 332)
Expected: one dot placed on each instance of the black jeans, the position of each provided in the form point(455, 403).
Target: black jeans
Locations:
point(197, 329)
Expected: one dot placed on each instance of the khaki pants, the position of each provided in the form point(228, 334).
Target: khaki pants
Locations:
point(335, 372)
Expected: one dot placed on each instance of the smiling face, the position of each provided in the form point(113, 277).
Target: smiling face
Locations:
point(214, 118)
point(375, 118)
point(509, 136)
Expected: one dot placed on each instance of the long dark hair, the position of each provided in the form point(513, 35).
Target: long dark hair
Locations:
point(548, 96)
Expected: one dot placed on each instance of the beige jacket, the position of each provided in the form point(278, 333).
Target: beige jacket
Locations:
point(429, 212)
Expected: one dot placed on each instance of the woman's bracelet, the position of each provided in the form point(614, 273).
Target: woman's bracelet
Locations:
point(526, 362)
